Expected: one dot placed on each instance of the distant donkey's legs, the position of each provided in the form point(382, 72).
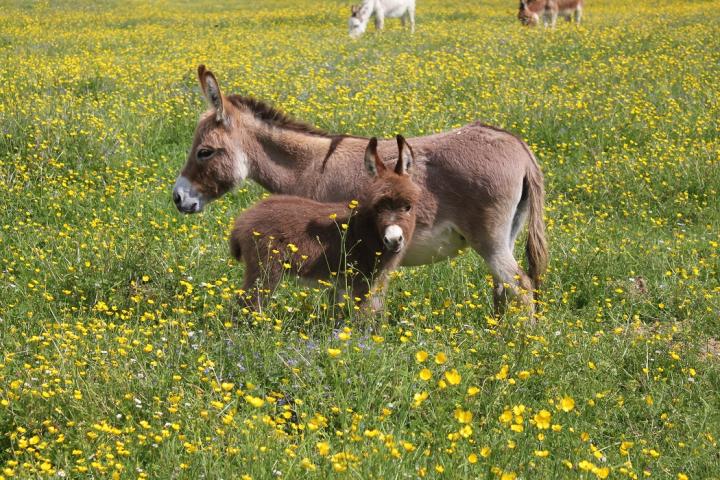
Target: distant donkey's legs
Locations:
point(379, 20)
point(578, 15)
point(411, 16)
point(553, 19)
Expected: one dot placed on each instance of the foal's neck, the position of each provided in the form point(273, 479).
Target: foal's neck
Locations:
point(362, 231)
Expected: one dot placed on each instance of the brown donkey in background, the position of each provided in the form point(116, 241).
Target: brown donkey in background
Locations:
point(478, 185)
point(355, 245)
point(531, 11)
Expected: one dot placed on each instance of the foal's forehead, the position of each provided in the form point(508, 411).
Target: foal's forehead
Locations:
point(399, 188)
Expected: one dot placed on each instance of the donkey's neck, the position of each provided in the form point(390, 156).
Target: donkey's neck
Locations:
point(283, 156)
point(366, 9)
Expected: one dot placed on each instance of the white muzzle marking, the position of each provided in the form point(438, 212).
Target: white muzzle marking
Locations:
point(186, 198)
point(393, 238)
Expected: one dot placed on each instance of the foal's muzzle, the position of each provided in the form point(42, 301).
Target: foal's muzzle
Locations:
point(394, 239)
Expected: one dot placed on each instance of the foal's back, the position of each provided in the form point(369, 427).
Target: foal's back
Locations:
point(278, 221)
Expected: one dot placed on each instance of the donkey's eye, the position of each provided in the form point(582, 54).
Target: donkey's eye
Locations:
point(205, 153)
point(407, 208)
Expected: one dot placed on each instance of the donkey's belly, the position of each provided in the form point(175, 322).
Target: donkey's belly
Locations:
point(432, 245)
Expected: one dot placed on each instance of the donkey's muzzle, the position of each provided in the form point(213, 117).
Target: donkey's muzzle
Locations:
point(191, 207)
point(185, 197)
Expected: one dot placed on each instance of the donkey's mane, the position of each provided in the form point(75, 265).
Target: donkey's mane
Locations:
point(269, 114)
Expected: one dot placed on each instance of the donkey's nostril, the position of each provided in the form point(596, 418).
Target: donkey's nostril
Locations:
point(176, 198)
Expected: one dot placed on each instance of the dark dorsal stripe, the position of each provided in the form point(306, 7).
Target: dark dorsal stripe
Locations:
point(269, 114)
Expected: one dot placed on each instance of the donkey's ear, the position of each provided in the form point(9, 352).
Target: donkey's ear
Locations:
point(211, 90)
point(406, 158)
point(373, 164)
point(354, 9)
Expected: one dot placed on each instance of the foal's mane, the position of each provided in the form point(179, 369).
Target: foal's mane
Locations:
point(269, 114)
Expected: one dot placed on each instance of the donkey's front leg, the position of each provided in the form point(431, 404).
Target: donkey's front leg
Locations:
point(379, 20)
point(553, 19)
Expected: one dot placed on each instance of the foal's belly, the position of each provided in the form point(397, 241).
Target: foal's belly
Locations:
point(434, 244)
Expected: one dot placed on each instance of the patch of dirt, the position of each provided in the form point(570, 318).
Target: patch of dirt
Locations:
point(711, 349)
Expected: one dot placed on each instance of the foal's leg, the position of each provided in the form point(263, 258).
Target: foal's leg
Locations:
point(251, 297)
point(578, 15)
point(370, 304)
point(258, 280)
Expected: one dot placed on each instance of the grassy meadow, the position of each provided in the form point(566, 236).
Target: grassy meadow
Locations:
point(122, 350)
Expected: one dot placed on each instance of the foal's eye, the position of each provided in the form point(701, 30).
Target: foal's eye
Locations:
point(407, 208)
point(205, 153)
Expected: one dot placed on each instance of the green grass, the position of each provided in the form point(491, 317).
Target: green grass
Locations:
point(123, 347)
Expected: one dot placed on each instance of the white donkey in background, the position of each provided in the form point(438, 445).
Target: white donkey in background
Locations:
point(360, 14)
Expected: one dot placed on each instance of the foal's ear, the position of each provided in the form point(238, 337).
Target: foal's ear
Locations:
point(211, 90)
point(354, 9)
point(405, 156)
point(373, 164)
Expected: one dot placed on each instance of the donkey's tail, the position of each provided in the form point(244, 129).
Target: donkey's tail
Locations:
point(536, 248)
point(235, 249)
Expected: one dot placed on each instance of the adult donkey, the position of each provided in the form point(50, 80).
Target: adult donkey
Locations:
point(479, 184)
point(530, 11)
point(360, 14)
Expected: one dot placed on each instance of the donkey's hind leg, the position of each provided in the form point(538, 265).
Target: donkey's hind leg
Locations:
point(509, 280)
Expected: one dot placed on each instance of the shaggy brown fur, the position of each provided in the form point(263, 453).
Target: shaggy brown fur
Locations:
point(307, 238)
